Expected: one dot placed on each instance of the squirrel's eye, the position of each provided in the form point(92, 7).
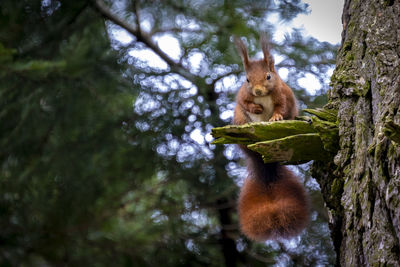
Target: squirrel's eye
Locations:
point(268, 76)
point(247, 79)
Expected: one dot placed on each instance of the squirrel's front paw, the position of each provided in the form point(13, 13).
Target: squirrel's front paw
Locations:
point(256, 109)
point(276, 117)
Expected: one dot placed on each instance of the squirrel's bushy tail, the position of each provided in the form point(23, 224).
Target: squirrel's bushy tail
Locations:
point(272, 203)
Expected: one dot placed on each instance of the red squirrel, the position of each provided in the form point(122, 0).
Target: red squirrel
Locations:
point(272, 202)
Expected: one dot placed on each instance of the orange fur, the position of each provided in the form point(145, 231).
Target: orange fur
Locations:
point(258, 86)
point(275, 210)
point(272, 203)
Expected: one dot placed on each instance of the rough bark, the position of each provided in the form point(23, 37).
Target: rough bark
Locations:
point(361, 185)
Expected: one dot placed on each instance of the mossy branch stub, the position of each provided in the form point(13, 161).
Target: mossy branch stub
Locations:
point(290, 141)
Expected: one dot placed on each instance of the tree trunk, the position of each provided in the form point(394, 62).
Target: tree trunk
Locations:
point(228, 244)
point(361, 184)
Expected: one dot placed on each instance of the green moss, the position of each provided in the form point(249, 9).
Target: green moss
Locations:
point(371, 149)
point(392, 131)
point(289, 141)
point(362, 87)
point(347, 46)
point(335, 196)
point(260, 131)
point(292, 149)
point(349, 56)
point(336, 187)
point(329, 133)
point(324, 114)
point(367, 87)
point(346, 78)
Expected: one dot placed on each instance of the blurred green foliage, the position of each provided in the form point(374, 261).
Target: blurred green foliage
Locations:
point(103, 159)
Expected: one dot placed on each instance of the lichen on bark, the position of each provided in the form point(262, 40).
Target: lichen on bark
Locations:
point(361, 185)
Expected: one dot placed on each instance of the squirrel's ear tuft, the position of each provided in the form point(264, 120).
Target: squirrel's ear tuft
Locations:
point(265, 46)
point(242, 49)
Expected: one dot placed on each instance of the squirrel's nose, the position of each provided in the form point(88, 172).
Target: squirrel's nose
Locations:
point(258, 92)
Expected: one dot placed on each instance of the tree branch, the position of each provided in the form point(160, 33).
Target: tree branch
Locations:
point(176, 29)
point(145, 39)
point(288, 141)
point(235, 72)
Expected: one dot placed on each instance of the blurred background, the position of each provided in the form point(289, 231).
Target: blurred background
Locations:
point(105, 113)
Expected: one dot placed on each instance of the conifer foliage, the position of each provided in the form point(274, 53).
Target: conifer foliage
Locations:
point(105, 159)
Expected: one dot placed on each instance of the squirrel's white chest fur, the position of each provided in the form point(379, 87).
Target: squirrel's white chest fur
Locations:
point(268, 105)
